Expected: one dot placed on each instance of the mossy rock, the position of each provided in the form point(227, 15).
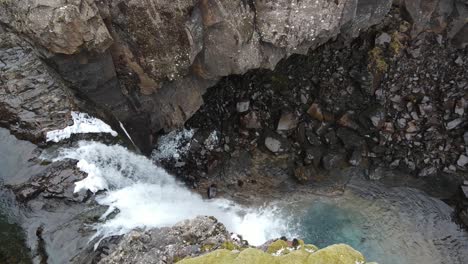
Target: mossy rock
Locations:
point(229, 246)
point(377, 61)
point(310, 247)
point(276, 246)
point(206, 247)
point(335, 254)
point(395, 45)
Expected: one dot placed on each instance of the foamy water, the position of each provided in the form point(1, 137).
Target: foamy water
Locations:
point(146, 196)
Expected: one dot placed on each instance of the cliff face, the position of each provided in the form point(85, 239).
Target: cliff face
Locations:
point(149, 62)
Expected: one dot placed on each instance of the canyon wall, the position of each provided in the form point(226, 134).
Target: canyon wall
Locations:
point(149, 62)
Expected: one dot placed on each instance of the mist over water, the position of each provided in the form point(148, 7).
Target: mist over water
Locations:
point(146, 196)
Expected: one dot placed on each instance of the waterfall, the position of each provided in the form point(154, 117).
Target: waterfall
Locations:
point(146, 196)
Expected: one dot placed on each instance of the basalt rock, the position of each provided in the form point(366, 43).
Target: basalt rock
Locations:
point(149, 62)
point(171, 244)
point(33, 99)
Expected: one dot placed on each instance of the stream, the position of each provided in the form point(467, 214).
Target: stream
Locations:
point(388, 225)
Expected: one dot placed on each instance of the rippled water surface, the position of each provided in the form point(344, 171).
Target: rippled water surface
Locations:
point(388, 225)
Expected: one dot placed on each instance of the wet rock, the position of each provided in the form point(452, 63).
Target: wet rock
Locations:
point(427, 171)
point(383, 39)
point(212, 191)
point(376, 173)
point(350, 138)
point(334, 159)
point(330, 138)
point(312, 138)
point(347, 121)
point(464, 216)
point(315, 112)
point(412, 127)
point(242, 106)
point(454, 123)
point(57, 181)
point(462, 161)
point(356, 157)
point(288, 121)
point(275, 143)
point(460, 107)
point(313, 155)
point(250, 121)
point(304, 173)
point(465, 191)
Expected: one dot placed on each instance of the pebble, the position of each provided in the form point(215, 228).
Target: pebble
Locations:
point(462, 160)
point(288, 121)
point(242, 106)
point(315, 112)
point(454, 123)
point(465, 191)
point(383, 39)
point(273, 144)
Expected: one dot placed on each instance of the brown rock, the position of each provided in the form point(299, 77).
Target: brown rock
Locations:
point(315, 112)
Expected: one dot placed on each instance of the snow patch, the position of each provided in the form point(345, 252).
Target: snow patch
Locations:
point(82, 123)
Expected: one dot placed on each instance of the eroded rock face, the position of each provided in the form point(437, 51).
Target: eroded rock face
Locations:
point(149, 62)
point(33, 99)
point(61, 26)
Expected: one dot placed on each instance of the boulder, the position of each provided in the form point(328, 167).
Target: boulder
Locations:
point(170, 244)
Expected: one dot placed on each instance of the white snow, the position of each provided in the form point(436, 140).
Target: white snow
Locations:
point(82, 123)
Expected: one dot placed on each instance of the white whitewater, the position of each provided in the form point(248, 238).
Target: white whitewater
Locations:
point(146, 196)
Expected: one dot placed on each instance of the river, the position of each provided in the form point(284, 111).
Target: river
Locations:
point(389, 225)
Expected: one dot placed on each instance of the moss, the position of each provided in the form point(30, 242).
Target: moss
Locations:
point(206, 247)
point(229, 246)
point(335, 254)
point(377, 61)
point(395, 45)
point(277, 245)
point(310, 247)
point(44, 162)
point(177, 259)
point(279, 82)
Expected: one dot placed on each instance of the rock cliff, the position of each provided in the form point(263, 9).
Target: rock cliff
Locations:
point(149, 62)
